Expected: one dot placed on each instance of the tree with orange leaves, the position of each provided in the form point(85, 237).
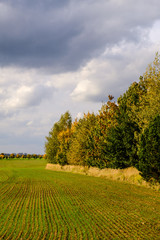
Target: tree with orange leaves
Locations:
point(105, 120)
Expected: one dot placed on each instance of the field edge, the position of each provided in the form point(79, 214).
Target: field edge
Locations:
point(130, 175)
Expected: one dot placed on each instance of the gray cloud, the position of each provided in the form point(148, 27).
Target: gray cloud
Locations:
point(64, 35)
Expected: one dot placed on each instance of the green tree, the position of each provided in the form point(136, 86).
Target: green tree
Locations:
point(53, 147)
point(64, 142)
point(12, 155)
point(29, 156)
point(122, 138)
point(137, 107)
point(122, 144)
point(149, 152)
point(150, 103)
point(82, 147)
point(143, 98)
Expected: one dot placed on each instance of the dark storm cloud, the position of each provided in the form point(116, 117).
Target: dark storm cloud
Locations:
point(34, 41)
point(63, 35)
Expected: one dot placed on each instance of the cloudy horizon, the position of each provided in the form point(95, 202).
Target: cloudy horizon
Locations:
point(68, 55)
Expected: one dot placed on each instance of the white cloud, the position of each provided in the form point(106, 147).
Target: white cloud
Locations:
point(20, 98)
point(85, 89)
point(154, 34)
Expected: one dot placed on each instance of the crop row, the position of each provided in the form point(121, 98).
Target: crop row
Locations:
point(33, 208)
point(3, 176)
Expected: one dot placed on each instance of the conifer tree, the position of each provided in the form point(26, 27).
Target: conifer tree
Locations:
point(149, 152)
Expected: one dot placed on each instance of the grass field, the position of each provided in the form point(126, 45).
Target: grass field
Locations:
point(40, 204)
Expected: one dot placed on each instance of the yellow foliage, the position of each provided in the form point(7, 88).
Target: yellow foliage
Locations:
point(149, 103)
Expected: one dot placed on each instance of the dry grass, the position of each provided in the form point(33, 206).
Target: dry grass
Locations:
point(130, 175)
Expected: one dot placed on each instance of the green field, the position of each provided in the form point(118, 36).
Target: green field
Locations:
point(40, 204)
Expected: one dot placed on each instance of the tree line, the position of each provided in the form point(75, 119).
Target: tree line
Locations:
point(19, 155)
point(123, 134)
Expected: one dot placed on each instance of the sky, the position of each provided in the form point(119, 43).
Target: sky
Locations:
point(68, 55)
